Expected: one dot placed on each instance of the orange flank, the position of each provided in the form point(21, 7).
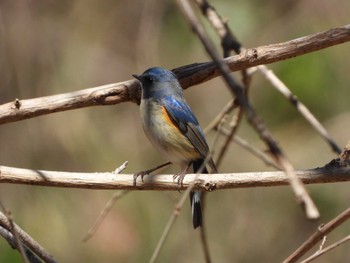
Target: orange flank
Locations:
point(167, 118)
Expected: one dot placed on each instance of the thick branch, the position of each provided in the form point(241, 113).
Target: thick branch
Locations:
point(189, 75)
point(206, 182)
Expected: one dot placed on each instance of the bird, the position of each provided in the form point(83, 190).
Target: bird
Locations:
point(173, 129)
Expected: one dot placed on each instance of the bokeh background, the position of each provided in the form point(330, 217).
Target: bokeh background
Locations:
point(50, 47)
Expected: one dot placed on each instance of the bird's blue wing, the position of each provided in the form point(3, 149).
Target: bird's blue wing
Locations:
point(183, 118)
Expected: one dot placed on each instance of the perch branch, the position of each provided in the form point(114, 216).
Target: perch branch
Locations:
point(206, 182)
point(189, 75)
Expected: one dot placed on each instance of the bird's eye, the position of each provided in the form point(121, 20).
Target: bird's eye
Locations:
point(149, 79)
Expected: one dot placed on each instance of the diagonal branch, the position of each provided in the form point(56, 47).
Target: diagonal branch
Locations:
point(298, 188)
point(303, 110)
point(229, 41)
point(189, 75)
point(326, 249)
point(318, 235)
point(27, 240)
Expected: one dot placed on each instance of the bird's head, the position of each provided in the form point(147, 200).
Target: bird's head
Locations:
point(158, 82)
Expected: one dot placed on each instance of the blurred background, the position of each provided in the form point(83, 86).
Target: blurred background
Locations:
point(50, 47)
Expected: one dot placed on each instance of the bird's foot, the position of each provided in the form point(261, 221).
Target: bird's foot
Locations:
point(147, 172)
point(181, 176)
point(140, 174)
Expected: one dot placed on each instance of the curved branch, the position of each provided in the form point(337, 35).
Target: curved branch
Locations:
point(206, 182)
point(189, 75)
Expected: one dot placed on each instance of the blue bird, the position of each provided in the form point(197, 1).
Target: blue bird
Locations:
point(172, 128)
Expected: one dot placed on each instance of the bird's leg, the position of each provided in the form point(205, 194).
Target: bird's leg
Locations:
point(146, 172)
point(180, 176)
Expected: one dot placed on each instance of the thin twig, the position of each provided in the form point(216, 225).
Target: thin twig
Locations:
point(213, 125)
point(107, 207)
point(233, 126)
point(216, 121)
point(326, 249)
point(297, 186)
point(318, 235)
point(116, 196)
point(254, 151)
point(205, 244)
point(324, 239)
point(303, 110)
point(170, 223)
point(173, 217)
point(121, 168)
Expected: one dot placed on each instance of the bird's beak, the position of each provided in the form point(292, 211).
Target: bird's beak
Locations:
point(138, 77)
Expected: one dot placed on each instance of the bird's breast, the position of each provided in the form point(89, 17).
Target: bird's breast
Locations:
point(164, 133)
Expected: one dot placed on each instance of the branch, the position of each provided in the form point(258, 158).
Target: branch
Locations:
point(303, 110)
point(9, 237)
point(257, 123)
point(27, 240)
point(326, 249)
point(342, 161)
point(189, 75)
point(205, 182)
point(318, 235)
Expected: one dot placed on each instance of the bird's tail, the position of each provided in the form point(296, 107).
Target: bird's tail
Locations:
point(195, 197)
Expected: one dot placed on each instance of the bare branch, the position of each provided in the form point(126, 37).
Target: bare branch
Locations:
point(252, 117)
point(318, 235)
point(17, 242)
point(303, 110)
point(27, 240)
point(326, 249)
point(254, 151)
point(165, 182)
point(8, 236)
point(229, 42)
point(189, 75)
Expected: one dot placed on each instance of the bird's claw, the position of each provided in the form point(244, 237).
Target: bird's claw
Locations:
point(142, 174)
point(180, 178)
